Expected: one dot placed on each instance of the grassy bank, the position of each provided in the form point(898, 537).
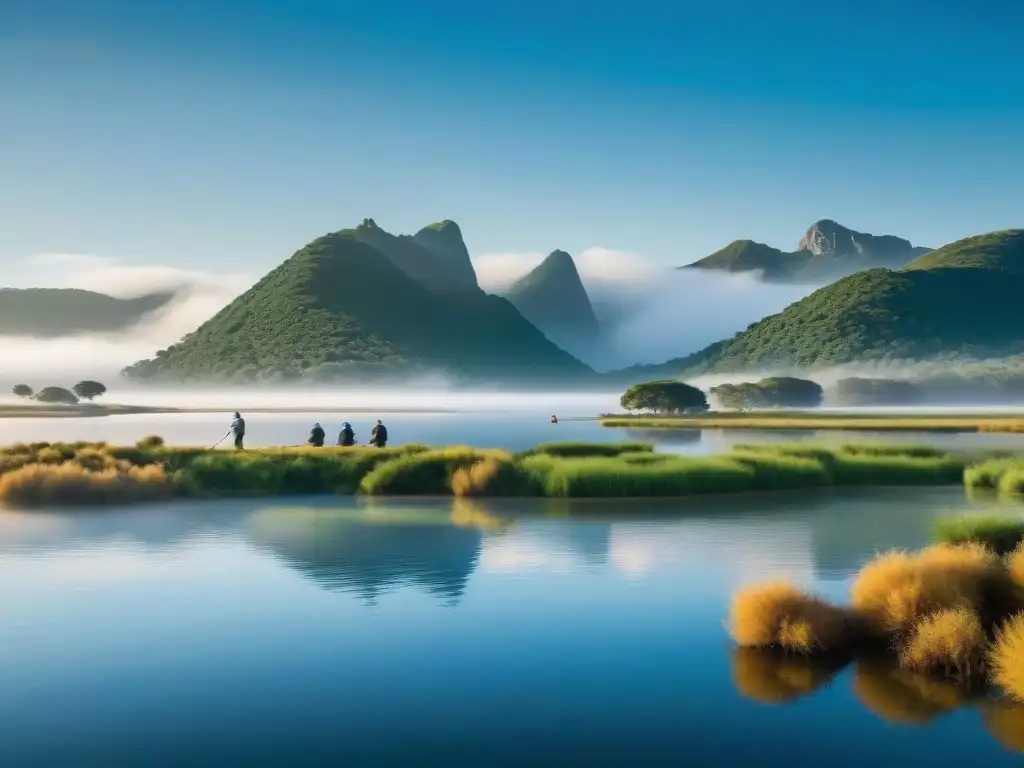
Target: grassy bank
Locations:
point(949, 612)
point(43, 474)
point(810, 420)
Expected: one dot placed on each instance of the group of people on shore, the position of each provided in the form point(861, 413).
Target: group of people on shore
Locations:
point(347, 436)
point(317, 435)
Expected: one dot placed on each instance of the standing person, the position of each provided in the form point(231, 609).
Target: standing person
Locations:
point(316, 436)
point(238, 430)
point(347, 436)
point(379, 435)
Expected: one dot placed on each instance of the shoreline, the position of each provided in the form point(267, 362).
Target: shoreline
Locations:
point(809, 420)
point(99, 411)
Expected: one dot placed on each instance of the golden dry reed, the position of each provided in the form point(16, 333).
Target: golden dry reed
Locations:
point(1006, 658)
point(950, 641)
point(898, 589)
point(71, 484)
point(779, 615)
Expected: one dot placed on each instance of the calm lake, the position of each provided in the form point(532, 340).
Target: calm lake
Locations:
point(340, 632)
point(504, 427)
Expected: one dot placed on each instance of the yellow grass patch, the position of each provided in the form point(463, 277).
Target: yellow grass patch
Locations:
point(778, 615)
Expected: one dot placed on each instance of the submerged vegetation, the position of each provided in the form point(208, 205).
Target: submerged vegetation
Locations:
point(81, 473)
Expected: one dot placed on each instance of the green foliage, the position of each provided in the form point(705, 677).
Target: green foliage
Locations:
point(1000, 534)
point(881, 315)
point(987, 475)
point(341, 308)
point(56, 395)
point(49, 312)
point(22, 390)
point(54, 471)
point(581, 450)
point(1002, 250)
point(774, 392)
point(426, 473)
point(748, 256)
point(89, 390)
point(668, 396)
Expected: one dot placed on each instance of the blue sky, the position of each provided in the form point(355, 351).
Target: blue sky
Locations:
point(226, 135)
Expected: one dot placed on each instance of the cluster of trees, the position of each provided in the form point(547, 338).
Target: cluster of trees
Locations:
point(671, 396)
point(83, 390)
point(667, 396)
point(773, 392)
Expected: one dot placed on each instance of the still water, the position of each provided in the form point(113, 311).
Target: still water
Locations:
point(509, 428)
point(340, 632)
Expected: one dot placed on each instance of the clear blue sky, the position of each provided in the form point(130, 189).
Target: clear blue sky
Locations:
point(227, 134)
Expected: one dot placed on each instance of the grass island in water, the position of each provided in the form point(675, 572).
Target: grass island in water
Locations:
point(44, 474)
point(877, 422)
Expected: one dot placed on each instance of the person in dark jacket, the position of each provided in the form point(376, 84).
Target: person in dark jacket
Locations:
point(379, 435)
point(238, 430)
point(347, 436)
point(316, 436)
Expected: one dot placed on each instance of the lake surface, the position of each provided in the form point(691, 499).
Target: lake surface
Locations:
point(340, 632)
point(510, 428)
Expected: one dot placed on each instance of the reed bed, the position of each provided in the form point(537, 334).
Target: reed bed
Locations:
point(552, 469)
point(948, 615)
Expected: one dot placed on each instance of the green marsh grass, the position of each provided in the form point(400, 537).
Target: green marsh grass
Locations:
point(1001, 534)
point(585, 450)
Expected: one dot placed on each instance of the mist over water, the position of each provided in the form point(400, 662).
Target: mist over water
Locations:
point(650, 313)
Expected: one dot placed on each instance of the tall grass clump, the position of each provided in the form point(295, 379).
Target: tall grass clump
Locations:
point(987, 474)
point(493, 476)
point(69, 484)
point(782, 471)
point(1000, 534)
point(778, 615)
point(1015, 566)
point(1011, 482)
point(1007, 657)
point(868, 469)
point(950, 641)
point(613, 477)
point(428, 473)
point(897, 590)
point(585, 450)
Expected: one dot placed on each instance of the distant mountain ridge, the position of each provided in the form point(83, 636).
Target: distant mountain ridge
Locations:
point(364, 302)
point(552, 297)
point(960, 300)
point(54, 312)
point(826, 251)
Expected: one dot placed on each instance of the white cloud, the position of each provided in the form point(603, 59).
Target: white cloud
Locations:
point(652, 313)
point(198, 296)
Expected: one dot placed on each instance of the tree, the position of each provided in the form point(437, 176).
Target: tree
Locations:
point(88, 390)
point(663, 397)
point(789, 392)
point(56, 395)
point(22, 390)
point(738, 397)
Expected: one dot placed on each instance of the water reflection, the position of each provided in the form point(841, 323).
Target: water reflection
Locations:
point(371, 551)
point(775, 678)
point(893, 695)
point(1005, 721)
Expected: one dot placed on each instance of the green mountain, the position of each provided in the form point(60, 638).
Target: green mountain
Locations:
point(434, 265)
point(444, 240)
point(962, 300)
point(553, 298)
point(826, 251)
point(51, 312)
point(343, 307)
